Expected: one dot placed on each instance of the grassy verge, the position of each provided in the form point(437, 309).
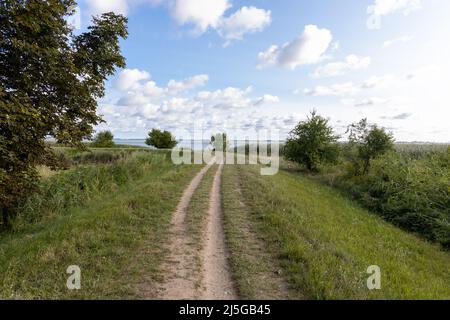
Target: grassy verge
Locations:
point(255, 270)
point(115, 237)
point(196, 216)
point(326, 242)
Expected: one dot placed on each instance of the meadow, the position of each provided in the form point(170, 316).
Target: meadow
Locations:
point(108, 217)
point(408, 187)
point(295, 235)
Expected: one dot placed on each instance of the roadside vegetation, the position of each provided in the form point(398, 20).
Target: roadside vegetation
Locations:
point(325, 242)
point(407, 186)
point(161, 139)
point(256, 271)
point(111, 220)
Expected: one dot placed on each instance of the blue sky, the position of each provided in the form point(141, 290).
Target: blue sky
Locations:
point(238, 66)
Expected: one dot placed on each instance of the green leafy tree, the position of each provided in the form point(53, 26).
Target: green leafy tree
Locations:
point(161, 139)
point(312, 143)
point(371, 142)
point(50, 80)
point(103, 139)
point(219, 142)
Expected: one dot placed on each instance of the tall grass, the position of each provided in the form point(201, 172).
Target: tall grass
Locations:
point(83, 183)
point(325, 242)
point(114, 228)
point(408, 187)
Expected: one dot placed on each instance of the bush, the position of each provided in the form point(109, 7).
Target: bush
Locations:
point(370, 142)
point(312, 143)
point(410, 192)
point(161, 139)
point(103, 139)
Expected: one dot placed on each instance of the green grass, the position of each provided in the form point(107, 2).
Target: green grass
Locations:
point(196, 217)
point(326, 242)
point(116, 236)
point(256, 273)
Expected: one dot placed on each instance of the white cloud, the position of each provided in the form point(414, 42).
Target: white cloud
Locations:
point(376, 81)
point(96, 7)
point(308, 48)
point(385, 7)
point(202, 13)
point(174, 87)
point(137, 88)
point(369, 102)
point(390, 43)
point(119, 6)
point(245, 20)
point(266, 99)
point(129, 78)
point(227, 98)
point(340, 89)
point(401, 116)
point(352, 62)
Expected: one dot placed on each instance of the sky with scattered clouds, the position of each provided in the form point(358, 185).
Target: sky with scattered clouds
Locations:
point(237, 65)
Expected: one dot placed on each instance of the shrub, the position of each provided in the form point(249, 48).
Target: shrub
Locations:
point(370, 141)
point(161, 139)
point(410, 192)
point(103, 139)
point(312, 143)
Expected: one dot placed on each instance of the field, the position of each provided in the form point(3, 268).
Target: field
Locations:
point(140, 227)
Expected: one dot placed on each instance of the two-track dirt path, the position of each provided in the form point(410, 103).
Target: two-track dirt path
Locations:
point(217, 277)
point(181, 272)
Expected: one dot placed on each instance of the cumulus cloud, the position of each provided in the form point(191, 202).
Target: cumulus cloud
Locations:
point(129, 78)
point(138, 89)
point(134, 113)
point(392, 42)
point(376, 81)
point(308, 48)
point(202, 13)
point(174, 87)
point(385, 7)
point(340, 89)
point(266, 99)
point(401, 116)
point(245, 20)
point(210, 14)
point(351, 63)
point(97, 7)
point(233, 98)
point(371, 102)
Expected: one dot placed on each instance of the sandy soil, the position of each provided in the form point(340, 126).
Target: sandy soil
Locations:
point(180, 274)
point(217, 281)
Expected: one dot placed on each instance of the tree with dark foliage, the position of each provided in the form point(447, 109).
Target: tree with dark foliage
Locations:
point(371, 142)
point(161, 139)
point(103, 139)
point(312, 142)
point(50, 80)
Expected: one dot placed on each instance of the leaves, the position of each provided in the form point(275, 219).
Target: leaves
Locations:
point(50, 81)
point(312, 142)
point(161, 139)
